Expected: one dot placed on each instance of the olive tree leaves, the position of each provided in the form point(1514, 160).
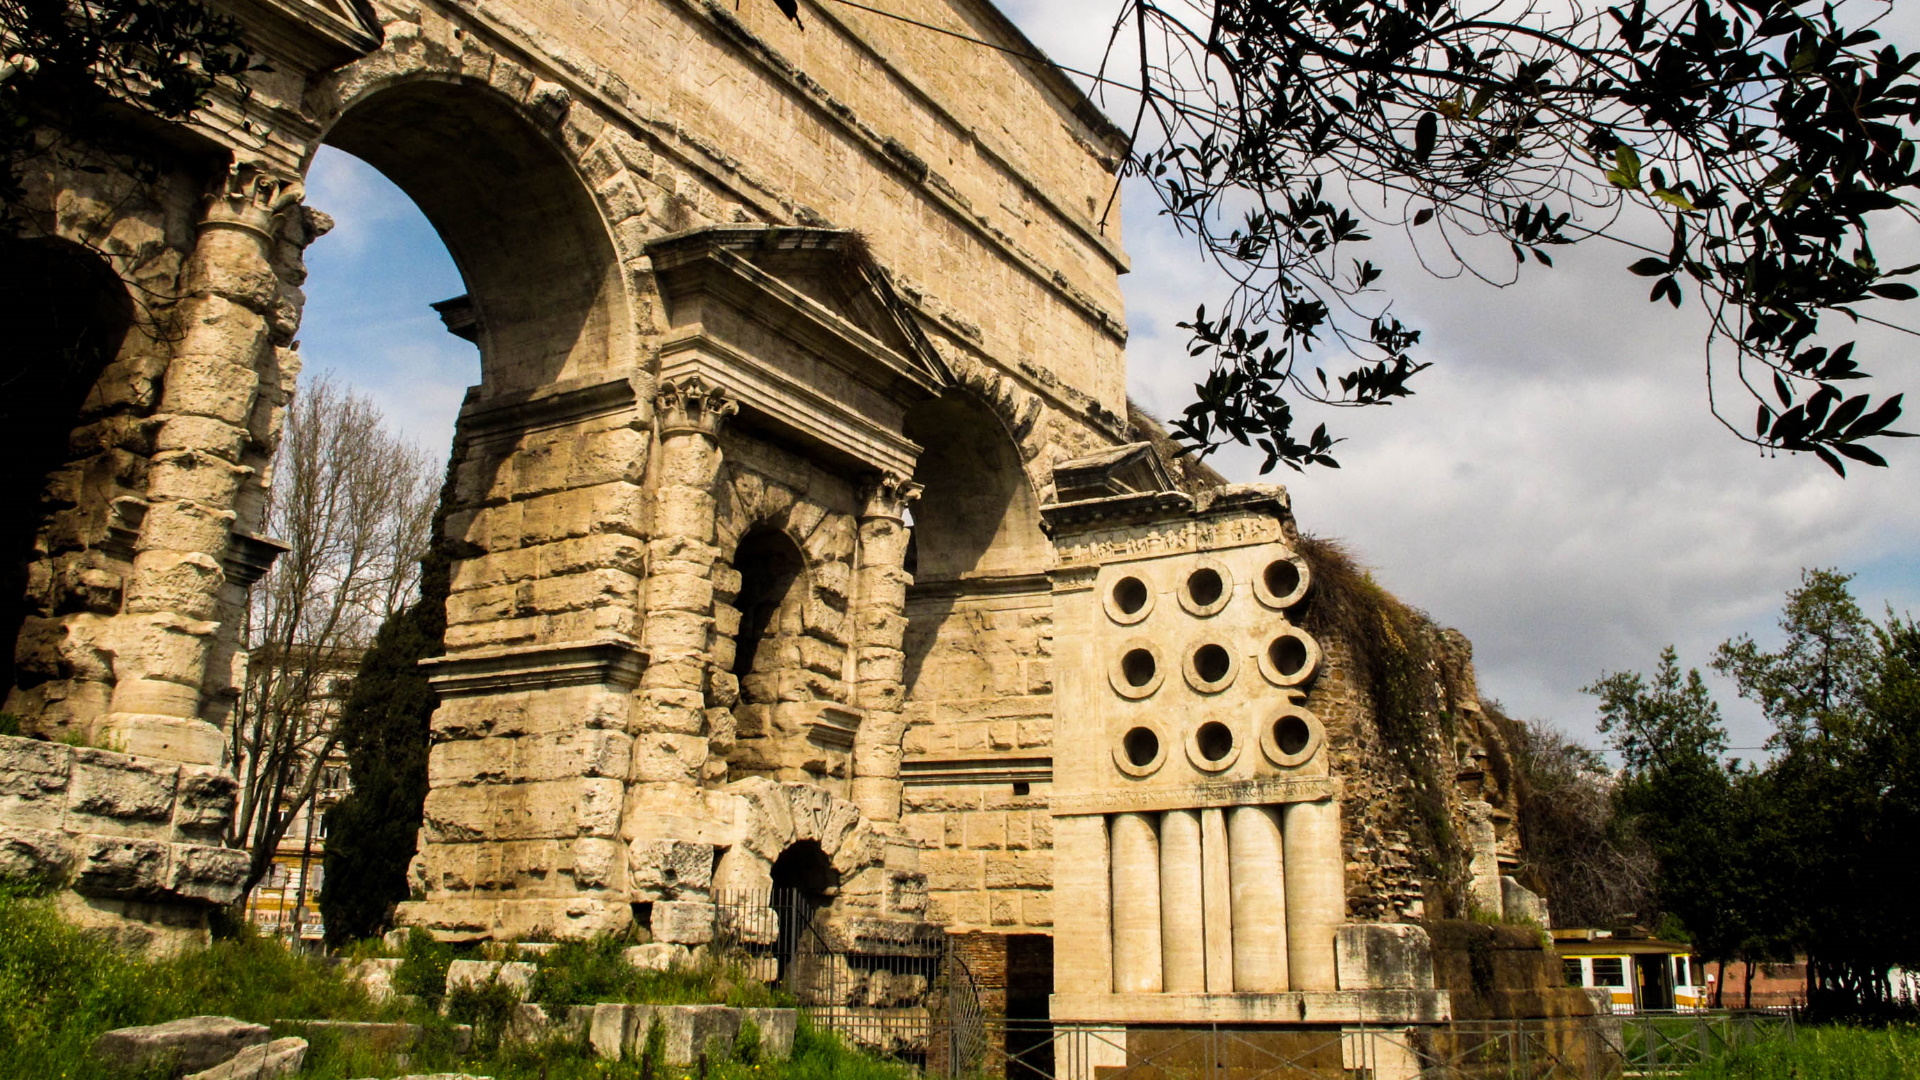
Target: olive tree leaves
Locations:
point(1765, 135)
point(68, 67)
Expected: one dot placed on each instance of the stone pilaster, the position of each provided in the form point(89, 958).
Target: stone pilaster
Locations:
point(880, 624)
point(670, 744)
point(171, 620)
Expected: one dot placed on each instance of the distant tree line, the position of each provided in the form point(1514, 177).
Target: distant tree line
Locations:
point(1808, 853)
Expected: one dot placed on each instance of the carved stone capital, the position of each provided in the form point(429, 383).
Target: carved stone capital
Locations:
point(886, 495)
point(690, 405)
point(251, 197)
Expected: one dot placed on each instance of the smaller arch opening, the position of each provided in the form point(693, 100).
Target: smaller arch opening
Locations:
point(1291, 735)
point(1288, 655)
point(1141, 746)
point(1138, 667)
point(1282, 577)
point(805, 869)
point(1212, 663)
point(1204, 587)
point(1130, 595)
point(1214, 739)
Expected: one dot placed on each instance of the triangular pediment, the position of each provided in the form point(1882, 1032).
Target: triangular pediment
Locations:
point(825, 273)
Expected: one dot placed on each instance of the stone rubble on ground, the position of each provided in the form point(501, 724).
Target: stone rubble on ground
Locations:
point(262, 1061)
point(193, 1043)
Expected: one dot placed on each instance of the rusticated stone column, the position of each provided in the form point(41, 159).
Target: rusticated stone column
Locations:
point(880, 626)
point(670, 745)
point(169, 624)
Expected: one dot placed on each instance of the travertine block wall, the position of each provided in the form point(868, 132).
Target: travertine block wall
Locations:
point(138, 842)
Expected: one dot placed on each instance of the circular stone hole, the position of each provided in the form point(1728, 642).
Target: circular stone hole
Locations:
point(1282, 578)
point(1204, 587)
point(1141, 746)
point(1137, 667)
point(1287, 654)
point(1214, 739)
point(1211, 663)
point(1291, 735)
point(1130, 595)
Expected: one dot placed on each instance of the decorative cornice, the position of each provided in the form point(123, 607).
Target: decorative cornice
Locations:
point(537, 667)
point(834, 727)
point(987, 769)
point(690, 406)
point(482, 419)
point(1266, 791)
point(249, 557)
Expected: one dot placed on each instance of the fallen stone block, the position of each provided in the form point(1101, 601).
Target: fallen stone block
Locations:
point(776, 1030)
point(382, 1038)
point(515, 975)
point(658, 956)
point(376, 975)
point(193, 1044)
point(265, 1061)
point(682, 922)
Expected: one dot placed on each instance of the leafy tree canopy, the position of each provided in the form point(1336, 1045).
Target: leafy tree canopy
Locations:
point(1766, 139)
point(66, 66)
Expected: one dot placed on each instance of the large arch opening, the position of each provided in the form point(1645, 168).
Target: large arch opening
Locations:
point(66, 314)
point(540, 270)
point(976, 530)
point(462, 226)
point(977, 514)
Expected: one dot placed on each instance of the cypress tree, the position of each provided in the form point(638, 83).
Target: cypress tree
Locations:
point(385, 727)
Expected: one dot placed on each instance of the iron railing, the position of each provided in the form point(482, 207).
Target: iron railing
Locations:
point(1566, 1048)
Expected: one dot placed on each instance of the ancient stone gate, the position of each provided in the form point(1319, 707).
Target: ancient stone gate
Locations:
point(800, 462)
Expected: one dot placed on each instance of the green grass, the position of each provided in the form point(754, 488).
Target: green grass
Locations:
point(62, 986)
point(1823, 1053)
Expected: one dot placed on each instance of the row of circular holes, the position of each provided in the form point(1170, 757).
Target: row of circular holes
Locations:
point(1281, 585)
point(1289, 661)
point(1290, 739)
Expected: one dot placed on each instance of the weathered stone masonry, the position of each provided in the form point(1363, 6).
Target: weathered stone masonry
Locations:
point(788, 517)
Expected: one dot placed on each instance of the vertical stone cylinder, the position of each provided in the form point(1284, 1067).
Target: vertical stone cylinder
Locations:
point(1136, 905)
point(1316, 892)
point(1258, 884)
point(1183, 947)
point(173, 620)
point(880, 627)
point(669, 744)
point(1217, 895)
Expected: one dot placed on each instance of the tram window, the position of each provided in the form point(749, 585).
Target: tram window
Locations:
point(1609, 971)
point(1575, 977)
point(1680, 972)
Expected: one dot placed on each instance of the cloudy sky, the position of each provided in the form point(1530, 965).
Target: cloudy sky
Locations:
point(1557, 489)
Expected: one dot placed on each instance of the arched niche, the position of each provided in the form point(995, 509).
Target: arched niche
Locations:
point(66, 314)
point(540, 269)
point(977, 515)
point(761, 657)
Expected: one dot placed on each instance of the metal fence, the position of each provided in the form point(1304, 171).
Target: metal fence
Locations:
point(1569, 1048)
point(902, 991)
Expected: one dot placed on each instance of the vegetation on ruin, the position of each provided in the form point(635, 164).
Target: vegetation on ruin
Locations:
point(1398, 661)
point(72, 75)
point(65, 986)
point(1808, 852)
point(384, 730)
point(1574, 848)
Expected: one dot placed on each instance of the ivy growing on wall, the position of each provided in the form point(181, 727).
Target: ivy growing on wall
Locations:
point(1401, 664)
